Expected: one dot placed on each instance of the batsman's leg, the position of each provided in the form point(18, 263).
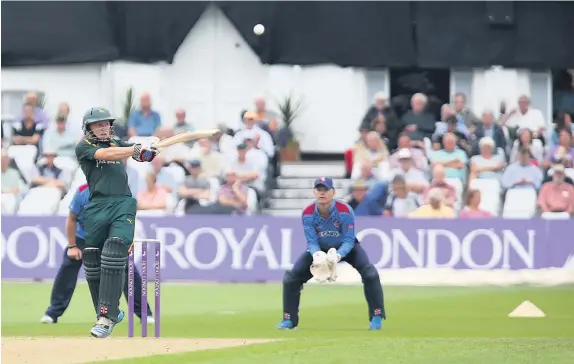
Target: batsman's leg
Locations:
point(137, 295)
point(292, 285)
point(371, 285)
point(93, 270)
point(63, 289)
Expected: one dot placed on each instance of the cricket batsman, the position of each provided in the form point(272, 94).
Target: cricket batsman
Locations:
point(109, 217)
point(330, 224)
point(67, 276)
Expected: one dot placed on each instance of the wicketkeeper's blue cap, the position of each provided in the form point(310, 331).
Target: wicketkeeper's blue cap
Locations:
point(324, 181)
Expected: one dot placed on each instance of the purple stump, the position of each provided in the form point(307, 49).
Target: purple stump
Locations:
point(131, 264)
point(144, 289)
point(157, 266)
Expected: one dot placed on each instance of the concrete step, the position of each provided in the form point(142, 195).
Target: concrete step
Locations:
point(307, 183)
point(290, 213)
point(303, 193)
point(313, 169)
point(289, 203)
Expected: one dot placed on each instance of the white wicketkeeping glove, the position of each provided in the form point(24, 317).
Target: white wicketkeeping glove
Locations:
point(320, 267)
point(332, 259)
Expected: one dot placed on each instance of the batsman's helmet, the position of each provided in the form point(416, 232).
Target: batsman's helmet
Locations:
point(94, 115)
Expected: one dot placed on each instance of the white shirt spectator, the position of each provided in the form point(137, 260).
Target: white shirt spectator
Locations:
point(526, 117)
point(61, 138)
point(248, 171)
point(252, 131)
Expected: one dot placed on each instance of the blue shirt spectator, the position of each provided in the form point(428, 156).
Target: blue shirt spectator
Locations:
point(522, 174)
point(145, 121)
point(77, 206)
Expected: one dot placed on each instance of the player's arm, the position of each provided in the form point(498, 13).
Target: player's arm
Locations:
point(71, 223)
point(89, 151)
point(310, 234)
point(347, 232)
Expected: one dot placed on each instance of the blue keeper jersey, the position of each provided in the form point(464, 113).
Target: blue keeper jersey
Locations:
point(77, 206)
point(336, 231)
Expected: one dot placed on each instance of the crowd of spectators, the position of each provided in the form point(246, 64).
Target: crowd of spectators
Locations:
point(515, 164)
point(226, 174)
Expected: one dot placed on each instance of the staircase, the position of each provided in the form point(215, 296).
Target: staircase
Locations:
point(295, 186)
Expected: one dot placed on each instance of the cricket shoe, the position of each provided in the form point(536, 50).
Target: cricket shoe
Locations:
point(286, 325)
point(104, 327)
point(150, 320)
point(121, 316)
point(48, 320)
point(376, 323)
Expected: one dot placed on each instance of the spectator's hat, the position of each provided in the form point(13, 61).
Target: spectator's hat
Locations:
point(558, 168)
point(359, 185)
point(242, 146)
point(195, 163)
point(405, 154)
point(324, 181)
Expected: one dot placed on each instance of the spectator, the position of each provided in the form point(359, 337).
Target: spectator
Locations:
point(212, 161)
point(181, 124)
point(381, 107)
point(526, 117)
point(224, 144)
point(563, 121)
point(374, 200)
point(256, 155)
point(419, 124)
point(27, 131)
point(367, 175)
point(439, 181)
point(557, 195)
point(472, 209)
point(488, 128)
point(462, 113)
point(247, 171)
point(562, 153)
point(48, 175)
point(526, 141)
point(358, 192)
point(451, 127)
point(232, 197)
point(435, 209)
point(251, 130)
point(446, 114)
point(267, 120)
point(401, 202)
point(12, 186)
point(415, 179)
point(522, 174)
point(61, 138)
point(196, 188)
point(145, 121)
point(154, 197)
point(487, 164)
point(453, 159)
point(164, 177)
point(379, 126)
point(374, 151)
point(417, 154)
point(39, 115)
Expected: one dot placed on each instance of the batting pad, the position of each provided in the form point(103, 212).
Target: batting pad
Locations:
point(91, 259)
point(114, 259)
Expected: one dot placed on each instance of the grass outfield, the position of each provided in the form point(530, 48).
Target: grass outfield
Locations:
point(426, 324)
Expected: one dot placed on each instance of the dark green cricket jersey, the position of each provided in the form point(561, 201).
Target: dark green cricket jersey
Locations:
point(105, 178)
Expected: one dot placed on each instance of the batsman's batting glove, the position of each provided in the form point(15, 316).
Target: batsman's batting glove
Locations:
point(144, 154)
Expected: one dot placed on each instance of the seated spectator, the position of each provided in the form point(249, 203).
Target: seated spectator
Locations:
point(61, 138)
point(379, 126)
point(374, 200)
point(415, 179)
point(212, 162)
point(181, 124)
point(144, 121)
point(472, 209)
point(154, 197)
point(12, 186)
point(27, 131)
point(196, 188)
point(453, 159)
point(252, 131)
point(247, 171)
point(417, 154)
point(451, 127)
point(266, 119)
point(487, 164)
point(562, 153)
point(438, 181)
point(563, 121)
point(557, 195)
point(526, 117)
point(232, 197)
point(533, 146)
point(163, 176)
point(419, 124)
point(224, 144)
point(358, 192)
point(522, 174)
point(48, 175)
point(401, 202)
point(39, 115)
point(463, 114)
point(435, 209)
point(256, 155)
point(367, 175)
point(488, 128)
point(381, 107)
point(374, 152)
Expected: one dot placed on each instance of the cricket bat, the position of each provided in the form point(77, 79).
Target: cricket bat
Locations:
point(187, 136)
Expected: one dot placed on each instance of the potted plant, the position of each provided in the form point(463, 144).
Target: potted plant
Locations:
point(120, 125)
point(290, 110)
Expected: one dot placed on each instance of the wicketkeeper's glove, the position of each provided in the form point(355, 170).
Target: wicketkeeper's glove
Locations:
point(144, 154)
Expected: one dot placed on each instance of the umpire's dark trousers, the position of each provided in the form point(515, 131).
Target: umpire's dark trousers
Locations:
point(65, 284)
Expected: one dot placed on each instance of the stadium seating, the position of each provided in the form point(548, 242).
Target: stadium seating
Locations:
point(40, 201)
point(520, 203)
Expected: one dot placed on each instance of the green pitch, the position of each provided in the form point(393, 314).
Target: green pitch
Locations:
point(426, 325)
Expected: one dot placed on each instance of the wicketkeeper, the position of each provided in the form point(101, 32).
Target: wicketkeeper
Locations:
point(329, 227)
point(67, 276)
point(109, 218)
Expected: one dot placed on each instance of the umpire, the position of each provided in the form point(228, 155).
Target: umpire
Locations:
point(65, 282)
